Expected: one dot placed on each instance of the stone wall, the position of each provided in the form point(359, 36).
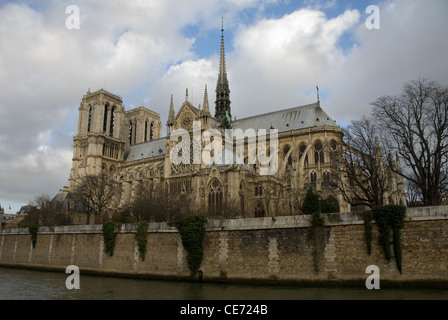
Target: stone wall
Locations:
point(246, 250)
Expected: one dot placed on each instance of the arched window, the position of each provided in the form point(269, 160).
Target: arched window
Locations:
point(302, 150)
point(215, 198)
point(285, 152)
point(313, 177)
point(259, 210)
point(106, 109)
point(112, 120)
point(130, 132)
point(146, 131)
point(151, 132)
point(318, 153)
point(258, 191)
point(333, 147)
point(89, 122)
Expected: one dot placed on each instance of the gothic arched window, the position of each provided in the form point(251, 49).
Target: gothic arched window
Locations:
point(302, 150)
point(259, 210)
point(112, 120)
point(215, 197)
point(106, 109)
point(89, 121)
point(146, 131)
point(318, 153)
point(151, 132)
point(130, 132)
point(285, 152)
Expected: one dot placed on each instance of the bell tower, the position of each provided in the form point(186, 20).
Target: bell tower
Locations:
point(100, 141)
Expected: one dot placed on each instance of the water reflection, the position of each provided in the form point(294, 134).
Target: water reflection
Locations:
point(19, 284)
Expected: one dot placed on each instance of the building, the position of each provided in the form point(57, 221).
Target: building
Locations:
point(128, 145)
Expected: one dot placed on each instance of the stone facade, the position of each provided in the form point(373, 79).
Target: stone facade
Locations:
point(128, 145)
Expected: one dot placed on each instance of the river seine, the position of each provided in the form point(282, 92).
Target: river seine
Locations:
point(21, 284)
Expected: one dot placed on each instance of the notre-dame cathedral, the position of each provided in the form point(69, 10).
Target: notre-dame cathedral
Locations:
point(128, 145)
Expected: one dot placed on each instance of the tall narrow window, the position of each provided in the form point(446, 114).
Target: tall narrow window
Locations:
point(318, 153)
point(106, 109)
point(112, 120)
point(215, 198)
point(151, 132)
point(130, 133)
point(285, 152)
point(302, 150)
point(259, 210)
point(135, 132)
point(146, 131)
point(89, 122)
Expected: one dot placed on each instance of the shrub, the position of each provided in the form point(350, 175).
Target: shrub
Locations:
point(390, 217)
point(33, 231)
point(140, 238)
point(109, 237)
point(192, 232)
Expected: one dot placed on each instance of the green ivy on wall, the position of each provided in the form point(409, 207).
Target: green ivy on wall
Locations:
point(192, 232)
point(33, 231)
point(109, 237)
point(388, 217)
point(316, 222)
point(140, 238)
point(316, 234)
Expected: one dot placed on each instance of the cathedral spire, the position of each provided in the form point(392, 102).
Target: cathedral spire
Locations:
point(222, 61)
point(171, 113)
point(222, 104)
point(205, 105)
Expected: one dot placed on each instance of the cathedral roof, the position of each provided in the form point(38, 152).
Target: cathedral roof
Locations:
point(302, 117)
point(146, 150)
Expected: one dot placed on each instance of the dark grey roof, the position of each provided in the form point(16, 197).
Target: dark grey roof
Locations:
point(146, 150)
point(306, 116)
point(62, 202)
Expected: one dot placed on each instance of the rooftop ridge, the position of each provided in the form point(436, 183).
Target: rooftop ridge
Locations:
point(102, 90)
point(278, 111)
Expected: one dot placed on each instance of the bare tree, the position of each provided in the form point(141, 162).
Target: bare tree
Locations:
point(363, 171)
point(416, 123)
point(157, 204)
point(42, 201)
point(97, 193)
point(45, 213)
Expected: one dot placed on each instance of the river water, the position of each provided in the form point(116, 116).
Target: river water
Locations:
point(21, 284)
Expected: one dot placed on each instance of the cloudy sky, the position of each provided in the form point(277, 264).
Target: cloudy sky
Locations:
point(277, 51)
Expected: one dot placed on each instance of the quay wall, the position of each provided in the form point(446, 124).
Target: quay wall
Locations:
point(273, 250)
